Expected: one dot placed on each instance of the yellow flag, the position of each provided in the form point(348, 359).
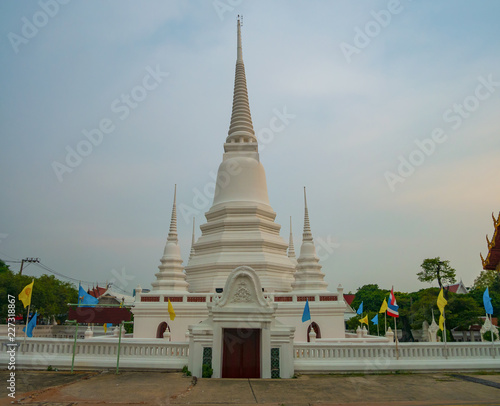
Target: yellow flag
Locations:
point(383, 308)
point(105, 325)
point(25, 295)
point(364, 320)
point(441, 302)
point(441, 322)
point(171, 310)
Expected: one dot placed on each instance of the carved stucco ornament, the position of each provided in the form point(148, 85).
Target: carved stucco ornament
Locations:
point(242, 294)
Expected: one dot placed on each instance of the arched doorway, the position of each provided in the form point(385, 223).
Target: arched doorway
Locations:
point(316, 329)
point(163, 326)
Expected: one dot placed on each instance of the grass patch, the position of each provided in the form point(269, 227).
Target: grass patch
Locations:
point(483, 373)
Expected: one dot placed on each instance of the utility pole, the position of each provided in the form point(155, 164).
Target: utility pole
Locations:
point(33, 260)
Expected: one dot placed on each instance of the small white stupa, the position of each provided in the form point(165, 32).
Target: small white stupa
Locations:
point(308, 277)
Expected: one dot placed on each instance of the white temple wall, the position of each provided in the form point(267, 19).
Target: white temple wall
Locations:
point(330, 321)
point(148, 317)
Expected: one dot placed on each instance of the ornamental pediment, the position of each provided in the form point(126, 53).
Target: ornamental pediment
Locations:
point(242, 289)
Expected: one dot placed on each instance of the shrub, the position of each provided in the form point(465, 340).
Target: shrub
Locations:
point(487, 336)
point(207, 371)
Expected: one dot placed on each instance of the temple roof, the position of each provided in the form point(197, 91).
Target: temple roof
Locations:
point(459, 288)
point(492, 261)
point(97, 292)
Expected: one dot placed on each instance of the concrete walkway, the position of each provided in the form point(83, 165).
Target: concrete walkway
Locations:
point(155, 388)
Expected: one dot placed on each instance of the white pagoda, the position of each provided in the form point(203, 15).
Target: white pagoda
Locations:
point(240, 299)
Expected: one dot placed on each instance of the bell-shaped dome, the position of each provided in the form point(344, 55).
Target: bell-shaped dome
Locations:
point(241, 179)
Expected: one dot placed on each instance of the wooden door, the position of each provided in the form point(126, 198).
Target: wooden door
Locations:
point(241, 353)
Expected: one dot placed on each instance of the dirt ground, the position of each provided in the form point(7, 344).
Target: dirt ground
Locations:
point(169, 388)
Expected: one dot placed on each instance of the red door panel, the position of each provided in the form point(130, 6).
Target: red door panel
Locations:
point(241, 353)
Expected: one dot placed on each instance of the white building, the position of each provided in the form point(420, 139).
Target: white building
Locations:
point(240, 299)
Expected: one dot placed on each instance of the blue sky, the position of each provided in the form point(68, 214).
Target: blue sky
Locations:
point(422, 68)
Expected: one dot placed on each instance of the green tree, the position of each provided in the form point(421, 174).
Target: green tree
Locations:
point(371, 296)
point(353, 323)
point(461, 312)
point(492, 281)
point(422, 307)
point(11, 284)
point(404, 301)
point(435, 269)
point(49, 298)
point(487, 277)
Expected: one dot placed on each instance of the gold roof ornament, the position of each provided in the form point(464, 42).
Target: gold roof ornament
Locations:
point(492, 260)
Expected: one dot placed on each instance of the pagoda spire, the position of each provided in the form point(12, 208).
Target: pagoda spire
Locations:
point(192, 242)
point(308, 277)
point(241, 128)
point(291, 249)
point(171, 276)
point(307, 235)
point(172, 233)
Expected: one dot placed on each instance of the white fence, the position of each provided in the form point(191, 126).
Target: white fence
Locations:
point(98, 353)
point(373, 357)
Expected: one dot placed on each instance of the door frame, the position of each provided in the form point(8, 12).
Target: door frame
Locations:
point(258, 350)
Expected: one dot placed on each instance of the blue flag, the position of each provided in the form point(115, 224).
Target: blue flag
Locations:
point(375, 320)
point(360, 309)
point(306, 315)
point(31, 326)
point(487, 302)
point(85, 299)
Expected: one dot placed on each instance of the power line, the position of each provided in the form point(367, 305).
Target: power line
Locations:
point(121, 290)
point(49, 269)
point(37, 262)
point(8, 256)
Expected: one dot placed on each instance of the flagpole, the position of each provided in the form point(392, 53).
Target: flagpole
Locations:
point(378, 333)
point(396, 337)
point(444, 335)
point(385, 321)
point(27, 321)
point(28, 315)
point(119, 347)
point(74, 347)
point(491, 333)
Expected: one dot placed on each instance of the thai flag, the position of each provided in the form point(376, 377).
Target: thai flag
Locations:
point(392, 306)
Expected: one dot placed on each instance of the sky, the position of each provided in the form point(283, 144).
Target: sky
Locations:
point(388, 113)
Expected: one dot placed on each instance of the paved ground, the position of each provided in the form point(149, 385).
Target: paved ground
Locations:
point(155, 388)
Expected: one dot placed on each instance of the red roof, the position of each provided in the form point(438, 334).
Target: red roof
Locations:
point(453, 288)
point(494, 320)
point(96, 292)
point(348, 298)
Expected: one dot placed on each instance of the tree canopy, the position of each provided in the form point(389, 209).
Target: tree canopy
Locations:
point(487, 278)
point(462, 310)
point(490, 280)
point(49, 298)
point(435, 269)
